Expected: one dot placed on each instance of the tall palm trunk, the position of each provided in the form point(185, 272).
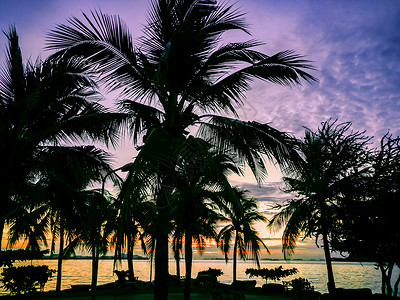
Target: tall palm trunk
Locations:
point(388, 278)
point(151, 266)
point(396, 285)
point(2, 224)
point(328, 260)
point(188, 263)
point(95, 262)
point(93, 272)
point(60, 255)
point(235, 257)
point(161, 273)
point(177, 261)
point(386, 272)
point(131, 274)
point(161, 254)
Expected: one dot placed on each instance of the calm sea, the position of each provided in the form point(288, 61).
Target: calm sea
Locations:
point(347, 274)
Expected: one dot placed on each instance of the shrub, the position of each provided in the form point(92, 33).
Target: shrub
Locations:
point(212, 272)
point(301, 284)
point(121, 275)
point(25, 279)
point(272, 274)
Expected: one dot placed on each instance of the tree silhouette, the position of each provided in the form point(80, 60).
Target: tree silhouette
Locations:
point(241, 215)
point(367, 232)
point(334, 161)
point(65, 183)
point(44, 106)
point(174, 78)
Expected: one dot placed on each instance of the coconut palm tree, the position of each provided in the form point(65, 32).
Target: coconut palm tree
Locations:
point(64, 183)
point(128, 229)
point(241, 215)
point(195, 215)
point(176, 75)
point(93, 208)
point(334, 161)
point(31, 226)
point(43, 106)
point(201, 184)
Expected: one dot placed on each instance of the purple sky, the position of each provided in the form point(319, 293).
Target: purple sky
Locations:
point(355, 45)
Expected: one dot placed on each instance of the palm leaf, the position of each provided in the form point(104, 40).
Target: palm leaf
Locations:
point(247, 139)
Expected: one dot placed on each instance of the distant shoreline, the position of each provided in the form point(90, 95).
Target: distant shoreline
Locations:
point(137, 257)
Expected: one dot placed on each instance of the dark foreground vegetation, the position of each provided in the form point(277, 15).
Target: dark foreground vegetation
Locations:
point(176, 86)
point(201, 289)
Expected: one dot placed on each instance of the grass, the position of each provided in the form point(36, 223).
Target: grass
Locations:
point(171, 296)
point(126, 293)
point(146, 293)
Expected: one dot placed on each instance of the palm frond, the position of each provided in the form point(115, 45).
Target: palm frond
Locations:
point(247, 140)
point(143, 117)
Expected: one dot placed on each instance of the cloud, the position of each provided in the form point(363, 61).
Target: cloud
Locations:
point(355, 47)
point(269, 191)
point(359, 65)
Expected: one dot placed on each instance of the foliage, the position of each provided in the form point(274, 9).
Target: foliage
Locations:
point(175, 78)
point(332, 173)
point(367, 232)
point(212, 272)
point(333, 167)
point(272, 274)
point(122, 275)
point(45, 107)
point(25, 279)
point(301, 284)
point(242, 213)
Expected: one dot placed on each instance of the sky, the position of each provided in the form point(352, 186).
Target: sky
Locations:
point(354, 46)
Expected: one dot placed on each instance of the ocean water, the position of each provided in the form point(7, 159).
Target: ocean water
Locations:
point(347, 274)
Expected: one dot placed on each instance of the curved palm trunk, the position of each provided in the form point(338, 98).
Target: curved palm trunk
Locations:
point(328, 260)
point(235, 258)
point(60, 256)
point(188, 263)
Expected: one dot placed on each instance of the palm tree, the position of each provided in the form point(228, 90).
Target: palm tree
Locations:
point(128, 230)
point(43, 106)
point(201, 183)
point(173, 79)
point(31, 225)
point(177, 243)
point(64, 183)
point(94, 207)
point(334, 161)
point(241, 216)
point(195, 217)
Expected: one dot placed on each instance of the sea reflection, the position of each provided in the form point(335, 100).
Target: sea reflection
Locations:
point(347, 274)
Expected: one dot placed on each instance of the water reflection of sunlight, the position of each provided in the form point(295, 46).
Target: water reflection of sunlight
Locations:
point(347, 274)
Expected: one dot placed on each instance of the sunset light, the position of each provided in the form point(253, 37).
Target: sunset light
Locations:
point(200, 149)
